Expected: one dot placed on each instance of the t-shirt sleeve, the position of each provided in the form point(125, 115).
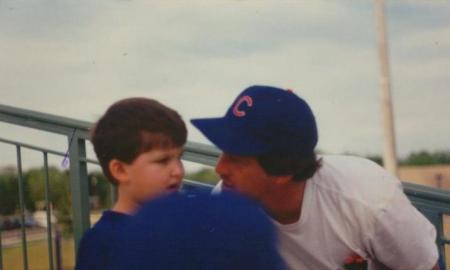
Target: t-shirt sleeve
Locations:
point(403, 238)
point(217, 188)
point(91, 252)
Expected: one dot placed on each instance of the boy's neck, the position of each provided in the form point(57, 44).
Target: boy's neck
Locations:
point(125, 205)
point(124, 209)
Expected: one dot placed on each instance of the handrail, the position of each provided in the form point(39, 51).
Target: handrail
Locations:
point(43, 121)
point(433, 202)
point(428, 193)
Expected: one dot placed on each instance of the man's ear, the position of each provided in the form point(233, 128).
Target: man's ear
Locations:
point(283, 179)
point(118, 170)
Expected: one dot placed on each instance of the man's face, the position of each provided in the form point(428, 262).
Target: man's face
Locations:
point(244, 174)
point(153, 173)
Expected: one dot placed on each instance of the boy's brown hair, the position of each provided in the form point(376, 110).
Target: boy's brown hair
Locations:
point(132, 126)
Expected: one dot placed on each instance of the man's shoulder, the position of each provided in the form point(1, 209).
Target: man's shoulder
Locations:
point(357, 179)
point(349, 161)
point(353, 170)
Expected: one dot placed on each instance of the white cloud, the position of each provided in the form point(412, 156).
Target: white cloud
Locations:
point(197, 56)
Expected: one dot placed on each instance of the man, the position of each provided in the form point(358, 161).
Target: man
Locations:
point(330, 211)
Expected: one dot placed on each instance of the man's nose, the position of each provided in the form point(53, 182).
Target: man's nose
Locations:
point(221, 166)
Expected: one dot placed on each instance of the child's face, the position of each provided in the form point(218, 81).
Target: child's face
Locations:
point(154, 173)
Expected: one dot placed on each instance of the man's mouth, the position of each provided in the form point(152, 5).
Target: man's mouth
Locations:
point(227, 186)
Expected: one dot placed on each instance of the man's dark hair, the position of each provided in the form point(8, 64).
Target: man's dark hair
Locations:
point(132, 126)
point(301, 168)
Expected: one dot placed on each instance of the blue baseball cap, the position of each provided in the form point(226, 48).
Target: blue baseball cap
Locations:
point(263, 120)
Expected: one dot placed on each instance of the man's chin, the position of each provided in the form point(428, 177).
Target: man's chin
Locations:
point(227, 188)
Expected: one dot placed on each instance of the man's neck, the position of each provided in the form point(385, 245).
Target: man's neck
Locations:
point(285, 204)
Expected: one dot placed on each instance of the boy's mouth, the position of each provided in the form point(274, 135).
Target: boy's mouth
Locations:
point(173, 188)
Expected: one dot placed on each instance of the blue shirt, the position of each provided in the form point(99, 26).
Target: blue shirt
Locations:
point(96, 244)
point(199, 232)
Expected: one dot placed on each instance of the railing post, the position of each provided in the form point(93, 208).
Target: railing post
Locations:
point(48, 206)
point(113, 190)
point(22, 208)
point(58, 250)
point(442, 237)
point(438, 221)
point(1, 247)
point(79, 188)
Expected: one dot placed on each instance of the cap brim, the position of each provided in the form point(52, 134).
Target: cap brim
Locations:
point(228, 138)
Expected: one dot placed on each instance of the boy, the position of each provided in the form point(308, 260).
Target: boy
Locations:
point(139, 143)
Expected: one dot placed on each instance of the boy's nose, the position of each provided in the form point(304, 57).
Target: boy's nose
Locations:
point(178, 170)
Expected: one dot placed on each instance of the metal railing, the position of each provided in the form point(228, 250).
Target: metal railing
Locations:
point(76, 132)
point(433, 203)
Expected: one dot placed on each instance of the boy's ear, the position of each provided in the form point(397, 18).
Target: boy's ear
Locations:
point(118, 170)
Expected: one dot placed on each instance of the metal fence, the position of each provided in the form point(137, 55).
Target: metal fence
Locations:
point(76, 132)
point(433, 203)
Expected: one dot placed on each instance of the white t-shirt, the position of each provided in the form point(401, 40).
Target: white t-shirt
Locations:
point(353, 206)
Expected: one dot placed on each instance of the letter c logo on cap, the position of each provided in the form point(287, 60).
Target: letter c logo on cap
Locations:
point(245, 99)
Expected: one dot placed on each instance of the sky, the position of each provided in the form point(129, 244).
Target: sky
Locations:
point(75, 58)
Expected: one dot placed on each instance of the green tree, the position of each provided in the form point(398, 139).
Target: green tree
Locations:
point(100, 186)
point(205, 175)
point(59, 193)
point(59, 186)
point(376, 158)
point(9, 200)
point(427, 158)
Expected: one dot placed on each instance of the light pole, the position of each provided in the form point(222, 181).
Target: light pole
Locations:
point(389, 148)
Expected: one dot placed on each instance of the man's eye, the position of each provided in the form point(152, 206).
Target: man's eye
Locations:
point(163, 160)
